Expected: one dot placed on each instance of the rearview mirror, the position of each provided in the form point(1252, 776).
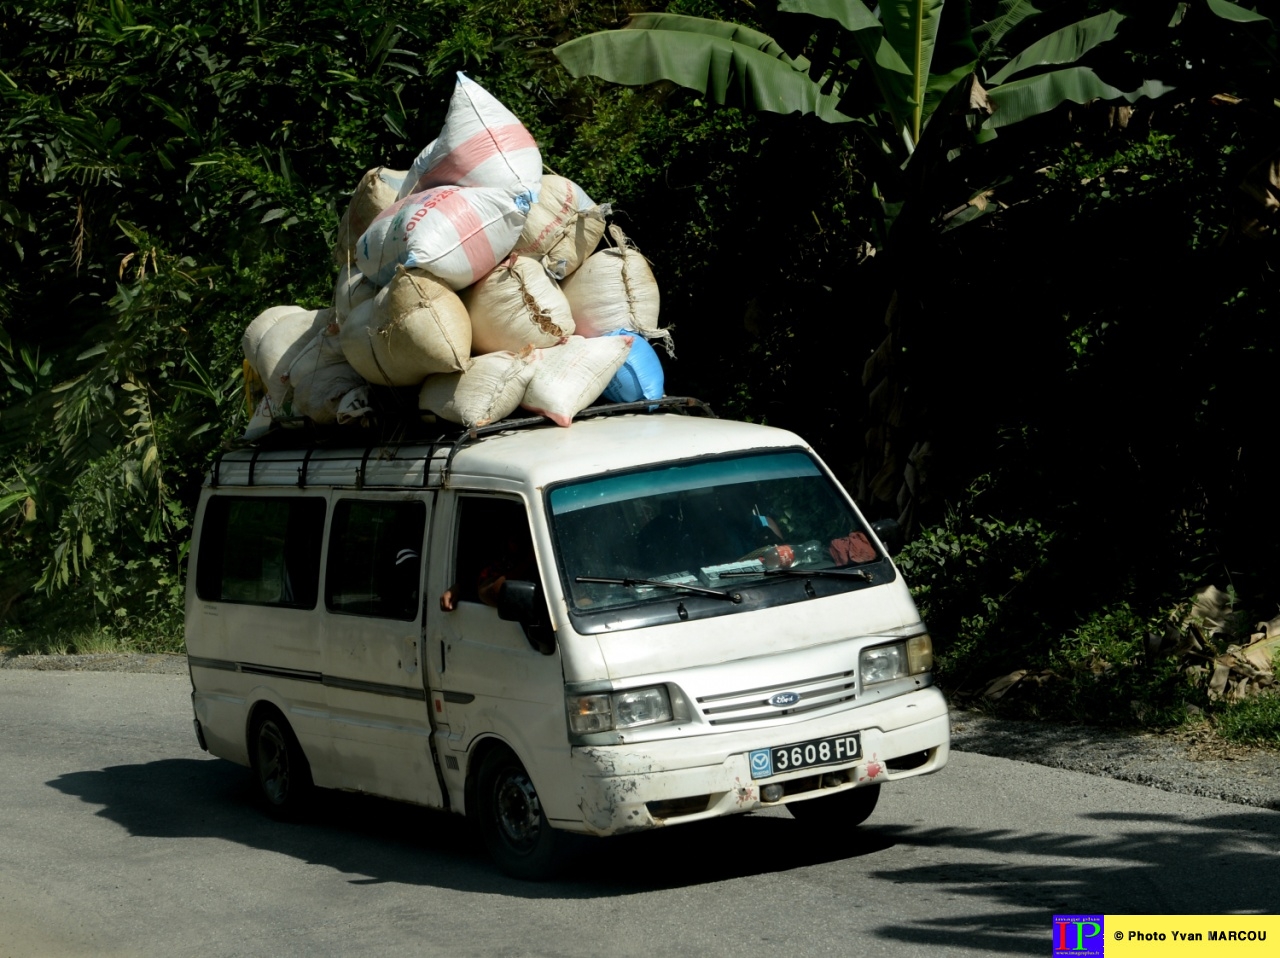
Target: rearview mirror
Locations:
point(520, 601)
point(890, 533)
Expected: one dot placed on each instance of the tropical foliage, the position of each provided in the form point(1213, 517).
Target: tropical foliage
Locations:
point(1091, 352)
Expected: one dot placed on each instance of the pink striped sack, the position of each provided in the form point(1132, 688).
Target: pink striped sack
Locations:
point(482, 144)
point(457, 234)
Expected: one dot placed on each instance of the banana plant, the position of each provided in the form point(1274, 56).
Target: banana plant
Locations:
point(913, 61)
point(938, 83)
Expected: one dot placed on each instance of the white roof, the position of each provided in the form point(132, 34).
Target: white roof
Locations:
point(593, 446)
point(537, 456)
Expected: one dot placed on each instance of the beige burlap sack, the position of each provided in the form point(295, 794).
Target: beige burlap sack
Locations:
point(377, 190)
point(416, 326)
point(490, 389)
point(563, 228)
point(280, 345)
point(517, 305)
point(615, 289)
point(570, 377)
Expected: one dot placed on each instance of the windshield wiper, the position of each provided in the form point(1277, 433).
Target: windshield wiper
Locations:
point(659, 584)
point(807, 573)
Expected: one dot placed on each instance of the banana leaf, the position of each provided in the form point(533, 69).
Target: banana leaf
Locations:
point(735, 32)
point(728, 72)
point(911, 26)
point(1012, 13)
point(853, 15)
point(1018, 100)
point(864, 25)
point(1235, 12)
point(1062, 46)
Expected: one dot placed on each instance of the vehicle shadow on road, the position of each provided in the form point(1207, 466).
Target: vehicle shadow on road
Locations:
point(376, 840)
point(1014, 880)
point(1217, 865)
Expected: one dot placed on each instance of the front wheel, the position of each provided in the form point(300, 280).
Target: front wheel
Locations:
point(281, 770)
point(512, 822)
point(836, 813)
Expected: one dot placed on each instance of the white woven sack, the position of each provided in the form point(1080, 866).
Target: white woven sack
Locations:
point(350, 291)
point(324, 383)
point(281, 345)
point(615, 289)
point(456, 233)
point(564, 226)
point(377, 189)
point(490, 389)
point(517, 305)
point(481, 144)
point(419, 166)
point(256, 330)
point(570, 377)
point(416, 326)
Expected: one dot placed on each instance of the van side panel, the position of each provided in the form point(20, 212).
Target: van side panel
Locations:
point(237, 649)
point(372, 657)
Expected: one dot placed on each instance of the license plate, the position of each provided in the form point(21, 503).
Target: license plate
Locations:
point(789, 758)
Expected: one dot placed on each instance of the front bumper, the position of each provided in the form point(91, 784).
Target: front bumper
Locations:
point(630, 787)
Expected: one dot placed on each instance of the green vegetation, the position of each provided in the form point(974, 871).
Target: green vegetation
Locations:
point(1253, 721)
point(1047, 351)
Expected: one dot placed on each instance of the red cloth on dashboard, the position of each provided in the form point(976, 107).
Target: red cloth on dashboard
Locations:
point(852, 549)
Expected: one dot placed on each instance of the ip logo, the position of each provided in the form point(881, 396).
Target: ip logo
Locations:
point(761, 763)
point(1080, 936)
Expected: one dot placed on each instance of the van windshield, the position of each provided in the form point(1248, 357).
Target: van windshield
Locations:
point(724, 523)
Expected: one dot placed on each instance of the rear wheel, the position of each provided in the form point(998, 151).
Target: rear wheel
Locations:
point(280, 769)
point(838, 812)
point(512, 822)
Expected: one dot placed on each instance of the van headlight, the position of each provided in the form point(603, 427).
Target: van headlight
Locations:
point(614, 710)
point(897, 660)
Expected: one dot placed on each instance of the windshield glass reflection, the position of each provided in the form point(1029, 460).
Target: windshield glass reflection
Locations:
point(702, 523)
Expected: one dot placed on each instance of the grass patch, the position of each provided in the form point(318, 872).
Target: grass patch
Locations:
point(89, 642)
point(1253, 721)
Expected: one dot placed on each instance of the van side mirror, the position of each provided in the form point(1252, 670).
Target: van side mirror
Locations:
point(520, 601)
point(890, 533)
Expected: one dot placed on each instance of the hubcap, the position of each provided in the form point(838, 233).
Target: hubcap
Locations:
point(273, 763)
point(519, 814)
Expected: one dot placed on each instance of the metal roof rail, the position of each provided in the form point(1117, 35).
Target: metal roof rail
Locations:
point(300, 433)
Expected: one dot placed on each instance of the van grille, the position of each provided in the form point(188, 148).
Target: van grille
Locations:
point(751, 705)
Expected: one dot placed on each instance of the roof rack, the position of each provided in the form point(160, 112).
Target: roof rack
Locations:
point(302, 434)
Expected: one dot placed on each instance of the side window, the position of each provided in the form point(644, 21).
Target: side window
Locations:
point(261, 550)
point(374, 566)
point(493, 544)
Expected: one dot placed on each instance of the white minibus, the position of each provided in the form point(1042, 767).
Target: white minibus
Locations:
point(650, 618)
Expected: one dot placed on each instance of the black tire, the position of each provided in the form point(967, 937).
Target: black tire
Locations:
point(837, 813)
point(280, 770)
point(512, 822)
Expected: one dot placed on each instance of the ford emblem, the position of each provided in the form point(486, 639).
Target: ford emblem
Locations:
point(783, 699)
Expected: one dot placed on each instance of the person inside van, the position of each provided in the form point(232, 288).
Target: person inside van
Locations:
point(514, 560)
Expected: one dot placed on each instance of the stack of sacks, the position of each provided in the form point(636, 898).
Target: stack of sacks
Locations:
point(296, 353)
point(456, 275)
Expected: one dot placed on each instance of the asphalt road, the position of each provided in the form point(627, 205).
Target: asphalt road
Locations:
point(118, 836)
